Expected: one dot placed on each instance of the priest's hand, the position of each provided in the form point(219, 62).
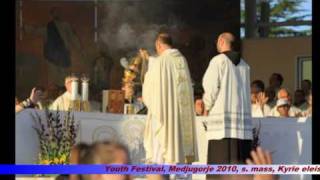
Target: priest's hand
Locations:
point(144, 54)
point(205, 113)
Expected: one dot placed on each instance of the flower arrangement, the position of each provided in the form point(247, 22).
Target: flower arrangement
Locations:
point(56, 136)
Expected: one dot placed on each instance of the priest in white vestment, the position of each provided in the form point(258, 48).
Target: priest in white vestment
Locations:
point(63, 102)
point(168, 94)
point(226, 84)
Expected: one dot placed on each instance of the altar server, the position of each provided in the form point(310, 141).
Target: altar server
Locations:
point(226, 84)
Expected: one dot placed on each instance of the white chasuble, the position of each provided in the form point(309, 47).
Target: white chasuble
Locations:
point(62, 103)
point(170, 125)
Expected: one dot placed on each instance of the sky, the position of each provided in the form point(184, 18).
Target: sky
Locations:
point(308, 7)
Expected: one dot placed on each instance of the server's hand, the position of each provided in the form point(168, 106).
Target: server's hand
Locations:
point(261, 157)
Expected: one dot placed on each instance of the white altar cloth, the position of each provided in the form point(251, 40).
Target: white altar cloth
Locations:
point(289, 139)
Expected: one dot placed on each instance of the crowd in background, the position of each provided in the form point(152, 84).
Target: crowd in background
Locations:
point(274, 100)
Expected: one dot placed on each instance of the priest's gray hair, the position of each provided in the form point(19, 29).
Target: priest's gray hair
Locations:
point(68, 79)
point(165, 38)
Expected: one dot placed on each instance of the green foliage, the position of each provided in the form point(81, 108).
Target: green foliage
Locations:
point(284, 11)
point(284, 32)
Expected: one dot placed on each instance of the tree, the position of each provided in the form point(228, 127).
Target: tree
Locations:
point(279, 11)
point(285, 11)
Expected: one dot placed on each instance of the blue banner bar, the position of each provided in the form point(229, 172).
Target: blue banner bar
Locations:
point(110, 169)
point(159, 169)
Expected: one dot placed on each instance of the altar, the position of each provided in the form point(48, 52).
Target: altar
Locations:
point(288, 139)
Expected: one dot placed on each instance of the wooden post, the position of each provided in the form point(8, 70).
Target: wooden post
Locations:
point(96, 21)
point(20, 21)
point(265, 16)
point(250, 18)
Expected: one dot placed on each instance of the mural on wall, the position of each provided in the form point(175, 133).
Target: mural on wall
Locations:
point(63, 37)
point(61, 44)
point(54, 41)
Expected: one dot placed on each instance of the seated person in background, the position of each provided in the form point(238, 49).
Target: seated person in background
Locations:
point(275, 84)
point(284, 94)
point(198, 105)
point(63, 102)
point(300, 100)
point(31, 102)
point(259, 100)
point(308, 111)
point(306, 86)
point(276, 81)
point(283, 107)
point(271, 95)
point(105, 153)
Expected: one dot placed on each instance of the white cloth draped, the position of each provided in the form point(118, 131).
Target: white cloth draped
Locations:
point(170, 125)
point(227, 97)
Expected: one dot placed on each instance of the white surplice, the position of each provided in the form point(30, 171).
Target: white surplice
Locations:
point(227, 98)
point(170, 125)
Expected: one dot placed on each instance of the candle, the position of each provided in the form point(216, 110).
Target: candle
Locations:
point(85, 90)
point(104, 100)
point(74, 90)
